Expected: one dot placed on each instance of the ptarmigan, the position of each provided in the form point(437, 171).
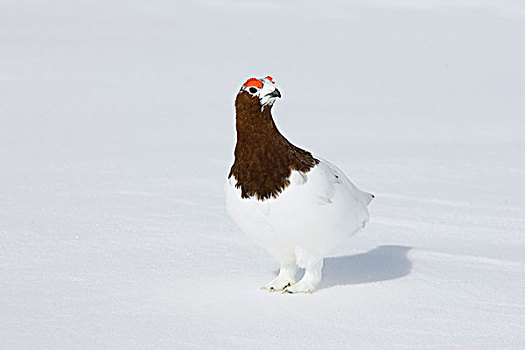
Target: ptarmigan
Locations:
point(297, 206)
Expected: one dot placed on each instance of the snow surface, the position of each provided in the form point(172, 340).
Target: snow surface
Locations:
point(116, 136)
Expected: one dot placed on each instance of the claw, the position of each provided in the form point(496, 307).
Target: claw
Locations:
point(294, 290)
point(270, 286)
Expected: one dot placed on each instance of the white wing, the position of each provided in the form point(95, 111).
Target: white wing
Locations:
point(336, 179)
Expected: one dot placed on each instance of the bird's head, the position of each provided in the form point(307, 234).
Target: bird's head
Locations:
point(261, 91)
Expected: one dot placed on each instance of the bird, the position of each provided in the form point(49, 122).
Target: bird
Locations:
point(296, 205)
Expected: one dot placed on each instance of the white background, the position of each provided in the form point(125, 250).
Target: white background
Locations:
point(117, 134)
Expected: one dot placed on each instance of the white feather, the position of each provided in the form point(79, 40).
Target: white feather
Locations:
point(312, 216)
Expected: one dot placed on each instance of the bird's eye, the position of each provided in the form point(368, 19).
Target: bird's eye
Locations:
point(253, 90)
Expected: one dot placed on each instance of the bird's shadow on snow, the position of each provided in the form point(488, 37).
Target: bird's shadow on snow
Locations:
point(383, 263)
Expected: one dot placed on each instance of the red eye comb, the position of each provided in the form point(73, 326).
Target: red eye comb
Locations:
point(270, 79)
point(253, 82)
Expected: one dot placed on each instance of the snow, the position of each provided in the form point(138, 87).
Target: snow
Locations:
point(116, 136)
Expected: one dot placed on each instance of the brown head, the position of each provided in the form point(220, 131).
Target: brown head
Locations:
point(253, 107)
point(264, 158)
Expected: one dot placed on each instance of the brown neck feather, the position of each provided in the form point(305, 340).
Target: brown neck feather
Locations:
point(264, 158)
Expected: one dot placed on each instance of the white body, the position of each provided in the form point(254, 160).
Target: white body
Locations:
point(313, 215)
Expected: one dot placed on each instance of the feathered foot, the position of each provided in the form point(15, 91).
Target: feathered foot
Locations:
point(286, 275)
point(310, 280)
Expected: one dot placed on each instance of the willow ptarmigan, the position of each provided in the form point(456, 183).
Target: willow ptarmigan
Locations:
point(296, 205)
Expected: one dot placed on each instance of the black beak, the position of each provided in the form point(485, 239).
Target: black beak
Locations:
point(275, 93)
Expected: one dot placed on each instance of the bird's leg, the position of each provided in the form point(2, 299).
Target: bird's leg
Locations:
point(286, 275)
point(311, 278)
